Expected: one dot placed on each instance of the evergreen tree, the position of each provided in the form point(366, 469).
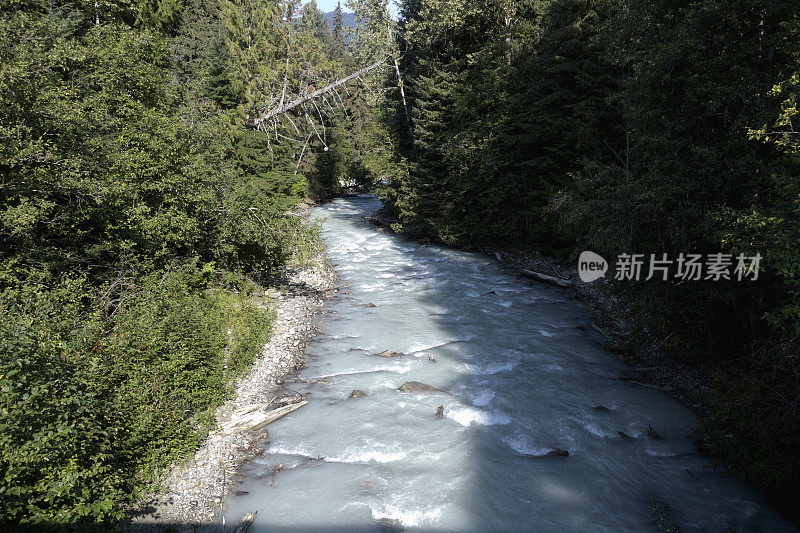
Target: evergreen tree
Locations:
point(337, 46)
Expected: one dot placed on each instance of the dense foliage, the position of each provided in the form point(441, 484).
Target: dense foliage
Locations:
point(139, 218)
point(628, 127)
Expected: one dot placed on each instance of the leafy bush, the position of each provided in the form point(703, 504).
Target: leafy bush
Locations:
point(92, 407)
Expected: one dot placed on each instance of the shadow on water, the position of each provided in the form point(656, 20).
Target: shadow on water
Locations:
point(522, 374)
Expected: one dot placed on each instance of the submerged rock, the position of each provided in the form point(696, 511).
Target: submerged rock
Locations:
point(602, 408)
point(388, 353)
point(652, 433)
point(409, 386)
point(356, 394)
point(390, 524)
point(557, 453)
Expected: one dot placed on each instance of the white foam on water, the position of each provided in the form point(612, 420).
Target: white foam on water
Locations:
point(367, 456)
point(506, 304)
point(301, 450)
point(482, 397)
point(408, 518)
point(595, 430)
point(466, 416)
point(546, 333)
point(420, 347)
point(399, 369)
point(520, 444)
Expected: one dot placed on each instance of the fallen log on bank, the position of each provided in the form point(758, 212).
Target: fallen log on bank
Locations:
point(552, 280)
point(253, 417)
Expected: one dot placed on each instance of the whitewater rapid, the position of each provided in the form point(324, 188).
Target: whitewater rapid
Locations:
point(522, 372)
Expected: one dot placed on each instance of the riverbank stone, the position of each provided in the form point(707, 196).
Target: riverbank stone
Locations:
point(388, 353)
point(412, 386)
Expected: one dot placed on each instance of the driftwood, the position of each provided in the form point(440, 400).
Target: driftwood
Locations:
point(244, 524)
point(253, 417)
point(601, 330)
point(552, 280)
point(253, 123)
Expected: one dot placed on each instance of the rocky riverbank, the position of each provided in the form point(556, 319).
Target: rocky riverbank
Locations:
point(192, 492)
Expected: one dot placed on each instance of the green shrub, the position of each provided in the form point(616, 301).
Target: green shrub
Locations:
point(93, 407)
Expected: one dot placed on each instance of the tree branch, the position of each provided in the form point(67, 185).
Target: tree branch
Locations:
point(302, 99)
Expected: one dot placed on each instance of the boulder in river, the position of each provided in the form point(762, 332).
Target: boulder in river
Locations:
point(390, 524)
point(602, 408)
point(440, 411)
point(558, 452)
point(371, 305)
point(356, 394)
point(432, 359)
point(410, 386)
point(388, 353)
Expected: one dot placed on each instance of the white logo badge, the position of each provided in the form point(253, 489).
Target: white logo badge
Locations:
point(591, 266)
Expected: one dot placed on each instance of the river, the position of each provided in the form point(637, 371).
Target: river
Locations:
point(522, 372)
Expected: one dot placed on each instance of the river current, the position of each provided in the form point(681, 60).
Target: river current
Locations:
point(522, 373)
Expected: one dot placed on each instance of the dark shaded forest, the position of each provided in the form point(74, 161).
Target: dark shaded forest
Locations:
point(141, 218)
point(628, 127)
